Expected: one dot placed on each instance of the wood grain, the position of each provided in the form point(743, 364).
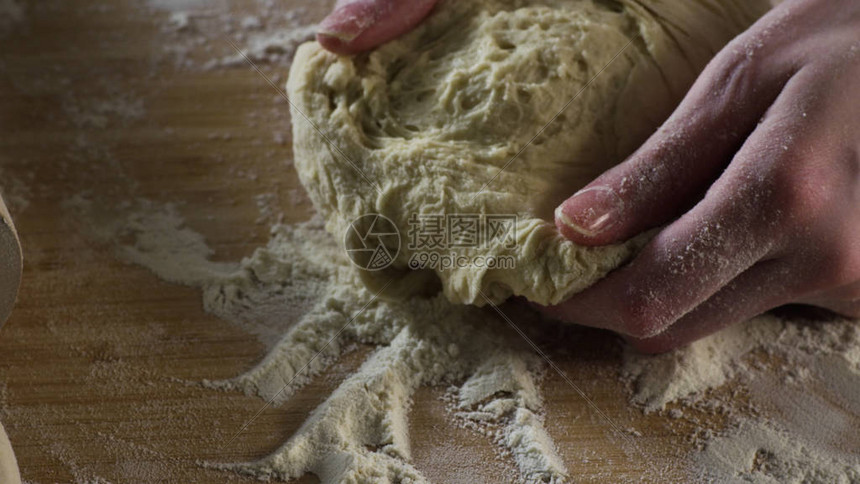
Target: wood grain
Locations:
point(100, 357)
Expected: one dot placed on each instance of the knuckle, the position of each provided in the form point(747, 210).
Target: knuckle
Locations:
point(850, 308)
point(641, 315)
point(807, 198)
point(795, 193)
point(826, 263)
point(793, 202)
point(852, 311)
point(838, 266)
point(844, 305)
point(732, 75)
point(806, 180)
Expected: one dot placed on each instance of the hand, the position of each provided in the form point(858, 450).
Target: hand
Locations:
point(358, 25)
point(755, 179)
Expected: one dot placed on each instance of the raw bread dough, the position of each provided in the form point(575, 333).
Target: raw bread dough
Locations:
point(429, 119)
point(11, 263)
point(8, 464)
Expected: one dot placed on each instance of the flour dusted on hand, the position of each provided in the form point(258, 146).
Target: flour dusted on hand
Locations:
point(436, 123)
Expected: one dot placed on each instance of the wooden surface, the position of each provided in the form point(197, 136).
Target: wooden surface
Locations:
point(96, 360)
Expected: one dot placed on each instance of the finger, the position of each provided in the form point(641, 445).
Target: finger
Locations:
point(759, 289)
point(681, 268)
point(669, 173)
point(844, 300)
point(11, 263)
point(725, 234)
point(742, 219)
point(848, 309)
point(358, 25)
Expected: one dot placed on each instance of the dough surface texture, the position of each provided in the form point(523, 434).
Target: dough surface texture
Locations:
point(435, 123)
point(8, 464)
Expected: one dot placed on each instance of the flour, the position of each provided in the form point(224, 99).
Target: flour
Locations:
point(270, 36)
point(767, 453)
point(302, 288)
point(179, 20)
point(302, 298)
point(182, 5)
point(686, 373)
point(803, 381)
point(790, 422)
point(267, 47)
point(98, 114)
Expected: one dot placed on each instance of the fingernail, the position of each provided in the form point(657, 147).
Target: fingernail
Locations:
point(347, 21)
point(591, 211)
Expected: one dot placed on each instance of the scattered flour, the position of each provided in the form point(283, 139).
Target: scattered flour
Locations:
point(179, 20)
point(802, 408)
point(686, 373)
point(300, 295)
point(269, 36)
point(301, 286)
point(795, 419)
point(98, 114)
point(180, 5)
point(267, 47)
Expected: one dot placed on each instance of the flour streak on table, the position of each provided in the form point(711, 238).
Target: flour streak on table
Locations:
point(99, 102)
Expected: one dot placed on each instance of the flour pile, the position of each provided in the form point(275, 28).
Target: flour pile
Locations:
point(301, 285)
point(794, 415)
point(795, 385)
point(784, 393)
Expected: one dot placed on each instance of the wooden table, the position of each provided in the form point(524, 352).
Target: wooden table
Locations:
point(97, 353)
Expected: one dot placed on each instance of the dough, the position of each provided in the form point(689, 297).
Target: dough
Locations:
point(8, 464)
point(11, 263)
point(432, 117)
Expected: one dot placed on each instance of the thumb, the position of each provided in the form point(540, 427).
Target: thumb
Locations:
point(676, 165)
point(647, 190)
point(359, 25)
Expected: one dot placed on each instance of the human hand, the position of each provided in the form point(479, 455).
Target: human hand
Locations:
point(358, 25)
point(756, 177)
